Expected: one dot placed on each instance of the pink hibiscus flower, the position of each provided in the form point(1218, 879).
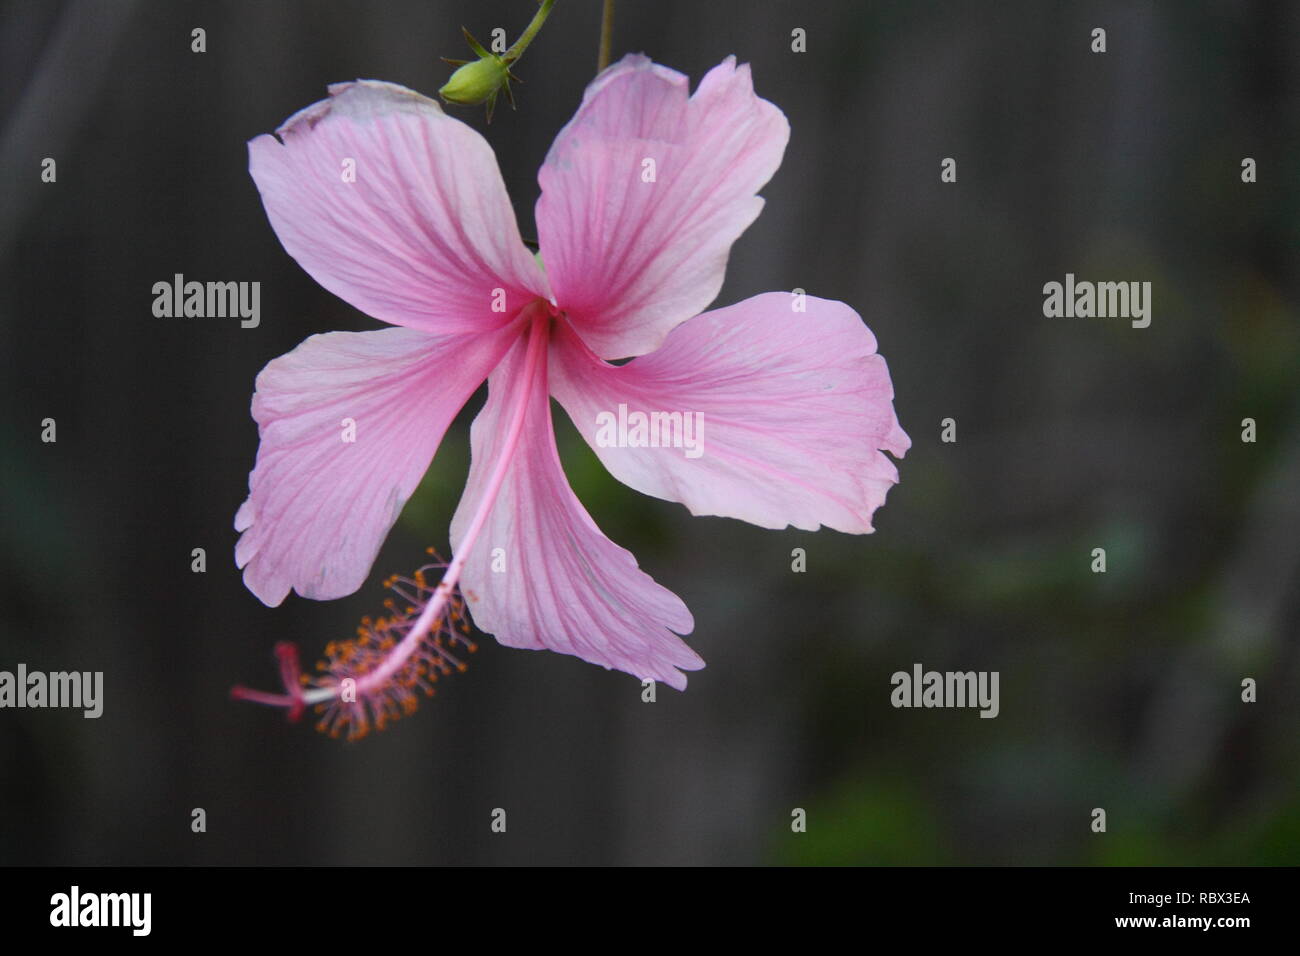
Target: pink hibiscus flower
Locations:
point(642, 195)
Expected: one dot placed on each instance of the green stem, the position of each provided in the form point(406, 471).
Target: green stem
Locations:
point(517, 49)
point(606, 35)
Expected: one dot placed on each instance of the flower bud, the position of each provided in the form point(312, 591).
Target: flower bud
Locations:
point(478, 81)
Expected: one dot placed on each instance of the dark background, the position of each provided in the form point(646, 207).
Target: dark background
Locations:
point(1118, 690)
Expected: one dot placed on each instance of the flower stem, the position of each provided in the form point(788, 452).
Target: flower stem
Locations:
point(519, 46)
point(606, 35)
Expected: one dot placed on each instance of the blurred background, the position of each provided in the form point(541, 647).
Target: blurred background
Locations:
point(1118, 690)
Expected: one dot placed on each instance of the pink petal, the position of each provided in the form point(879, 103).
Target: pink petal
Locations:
point(628, 259)
point(794, 405)
point(563, 586)
point(319, 507)
point(425, 234)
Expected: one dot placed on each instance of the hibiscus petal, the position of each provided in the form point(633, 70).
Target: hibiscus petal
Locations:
point(423, 236)
point(541, 575)
point(320, 506)
point(630, 259)
point(794, 407)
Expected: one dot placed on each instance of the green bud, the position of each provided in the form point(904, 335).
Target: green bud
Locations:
point(478, 81)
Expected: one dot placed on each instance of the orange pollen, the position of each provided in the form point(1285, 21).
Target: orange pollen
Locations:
point(357, 707)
